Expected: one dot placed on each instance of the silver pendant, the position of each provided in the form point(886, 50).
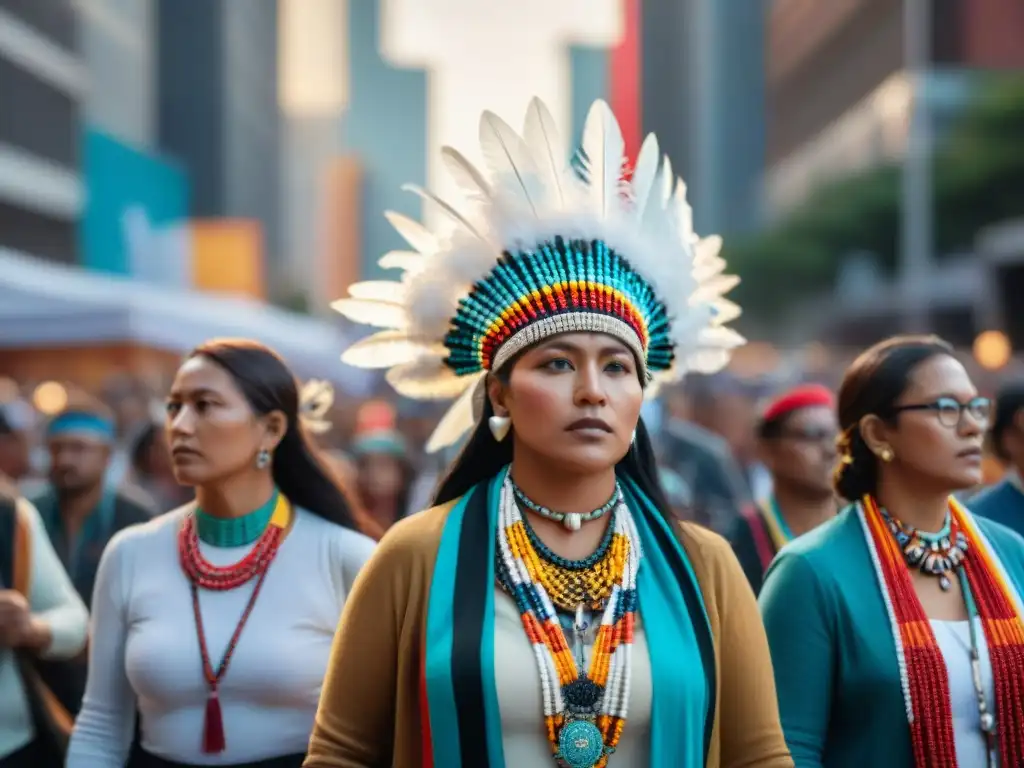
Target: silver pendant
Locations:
point(945, 583)
point(988, 723)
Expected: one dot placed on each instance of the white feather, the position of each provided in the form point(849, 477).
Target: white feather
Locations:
point(388, 348)
point(544, 143)
point(725, 311)
point(378, 290)
point(720, 337)
point(602, 155)
point(410, 261)
point(458, 419)
point(472, 183)
point(644, 174)
point(415, 234)
point(683, 213)
point(510, 163)
point(427, 378)
point(315, 400)
point(719, 285)
point(449, 211)
point(375, 313)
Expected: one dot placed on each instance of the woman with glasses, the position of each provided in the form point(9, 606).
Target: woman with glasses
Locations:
point(895, 628)
point(797, 443)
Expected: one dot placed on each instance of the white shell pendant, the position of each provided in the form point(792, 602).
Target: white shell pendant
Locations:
point(573, 521)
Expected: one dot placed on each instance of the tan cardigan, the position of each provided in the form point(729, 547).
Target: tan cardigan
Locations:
point(369, 714)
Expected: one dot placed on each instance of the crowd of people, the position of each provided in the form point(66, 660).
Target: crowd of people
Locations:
point(722, 576)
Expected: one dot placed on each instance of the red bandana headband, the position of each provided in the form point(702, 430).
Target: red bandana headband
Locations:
point(804, 396)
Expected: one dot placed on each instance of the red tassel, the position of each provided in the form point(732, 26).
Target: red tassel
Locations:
point(213, 726)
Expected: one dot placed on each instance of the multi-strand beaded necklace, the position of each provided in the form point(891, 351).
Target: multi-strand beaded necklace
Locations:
point(990, 597)
point(202, 574)
point(584, 709)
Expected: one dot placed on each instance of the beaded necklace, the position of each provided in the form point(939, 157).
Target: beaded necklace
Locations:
point(937, 554)
point(571, 520)
point(584, 711)
point(203, 574)
point(587, 582)
point(923, 676)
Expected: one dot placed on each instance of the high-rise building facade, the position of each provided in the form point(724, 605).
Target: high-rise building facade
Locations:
point(218, 111)
point(839, 92)
point(703, 94)
point(42, 84)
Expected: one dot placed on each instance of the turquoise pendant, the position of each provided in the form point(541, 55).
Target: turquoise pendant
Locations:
point(580, 744)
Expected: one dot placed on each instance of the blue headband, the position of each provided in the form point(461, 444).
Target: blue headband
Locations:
point(82, 423)
point(389, 443)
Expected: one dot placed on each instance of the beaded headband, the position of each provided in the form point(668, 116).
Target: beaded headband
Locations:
point(544, 246)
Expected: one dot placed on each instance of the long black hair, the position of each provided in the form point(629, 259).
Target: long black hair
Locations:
point(872, 385)
point(482, 458)
point(268, 385)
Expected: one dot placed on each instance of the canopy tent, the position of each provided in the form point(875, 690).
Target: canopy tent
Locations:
point(44, 304)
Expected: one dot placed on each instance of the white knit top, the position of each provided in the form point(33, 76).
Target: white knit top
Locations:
point(144, 651)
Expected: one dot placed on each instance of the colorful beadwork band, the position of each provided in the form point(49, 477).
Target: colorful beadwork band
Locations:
point(561, 287)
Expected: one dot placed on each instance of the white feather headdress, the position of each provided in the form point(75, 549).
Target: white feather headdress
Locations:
point(542, 246)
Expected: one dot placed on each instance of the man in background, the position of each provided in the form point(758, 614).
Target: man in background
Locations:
point(712, 488)
point(80, 510)
point(796, 438)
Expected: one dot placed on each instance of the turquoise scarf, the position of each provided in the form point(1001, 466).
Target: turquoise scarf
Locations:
point(461, 697)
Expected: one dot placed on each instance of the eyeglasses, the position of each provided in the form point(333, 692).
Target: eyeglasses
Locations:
point(950, 411)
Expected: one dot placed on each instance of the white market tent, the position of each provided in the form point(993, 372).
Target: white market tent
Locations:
point(43, 304)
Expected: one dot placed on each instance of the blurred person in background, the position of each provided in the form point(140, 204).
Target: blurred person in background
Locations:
point(80, 510)
point(896, 627)
point(129, 402)
point(481, 632)
point(1004, 501)
point(215, 620)
point(797, 434)
point(152, 471)
point(42, 618)
point(703, 461)
point(726, 405)
point(16, 421)
point(384, 475)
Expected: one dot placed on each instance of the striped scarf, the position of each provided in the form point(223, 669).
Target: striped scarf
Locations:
point(923, 674)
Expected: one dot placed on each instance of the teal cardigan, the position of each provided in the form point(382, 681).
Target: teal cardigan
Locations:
point(833, 650)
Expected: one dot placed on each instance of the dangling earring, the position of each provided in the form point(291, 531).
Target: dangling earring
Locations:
point(262, 459)
point(886, 454)
point(499, 425)
point(632, 440)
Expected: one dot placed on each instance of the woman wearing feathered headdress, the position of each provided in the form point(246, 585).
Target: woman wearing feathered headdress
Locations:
point(549, 609)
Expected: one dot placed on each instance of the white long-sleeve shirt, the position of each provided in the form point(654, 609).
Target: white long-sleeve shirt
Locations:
point(53, 598)
point(145, 652)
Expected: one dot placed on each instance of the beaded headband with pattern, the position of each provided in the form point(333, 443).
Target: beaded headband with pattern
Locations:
point(544, 246)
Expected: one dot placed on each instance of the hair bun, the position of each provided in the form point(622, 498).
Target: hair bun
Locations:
point(856, 475)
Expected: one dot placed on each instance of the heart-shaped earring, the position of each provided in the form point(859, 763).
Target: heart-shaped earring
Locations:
point(499, 426)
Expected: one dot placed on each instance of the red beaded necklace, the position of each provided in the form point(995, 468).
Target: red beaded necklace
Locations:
point(202, 574)
point(923, 673)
